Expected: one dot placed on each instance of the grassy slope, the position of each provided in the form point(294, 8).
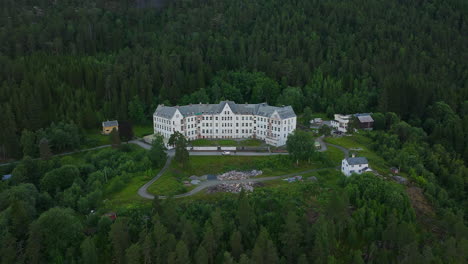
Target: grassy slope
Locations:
point(143, 130)
point(360, 141)
point(171, 181)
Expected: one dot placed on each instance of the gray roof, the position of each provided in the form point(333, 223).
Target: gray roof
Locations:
point(365, 118)
point(262, 109)
point(110, 123)
point(357, 160)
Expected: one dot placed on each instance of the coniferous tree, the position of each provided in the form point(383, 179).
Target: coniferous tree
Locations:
point(115, 138)
point(44, 149)
point(88, 251)
point(236, 244)
point(180, 144)
point(29, 143)
point(120, 239)
point(182, 253)
point(157, 153)
point(201, 256)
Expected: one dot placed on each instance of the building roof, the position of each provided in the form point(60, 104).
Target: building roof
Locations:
point(6, 177)
point(357, 160)
point(262, 109)
point(364, 118)
point(110, 123)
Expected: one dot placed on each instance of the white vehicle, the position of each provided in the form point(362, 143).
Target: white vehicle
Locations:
point(226, 153)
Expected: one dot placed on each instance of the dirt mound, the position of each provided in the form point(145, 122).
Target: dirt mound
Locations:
point(233, 187)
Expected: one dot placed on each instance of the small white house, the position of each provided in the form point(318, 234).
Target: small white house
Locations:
point(356, 165)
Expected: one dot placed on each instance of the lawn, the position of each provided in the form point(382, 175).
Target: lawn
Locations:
point(142, 130)
point(227, 142)
point(94, 138)
point(171, 182)
point(335, 155)
point(128, 197)
point(360, 141)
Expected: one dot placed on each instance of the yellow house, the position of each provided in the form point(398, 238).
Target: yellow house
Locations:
point(107, 126)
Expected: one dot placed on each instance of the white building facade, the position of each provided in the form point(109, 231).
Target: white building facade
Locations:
point(356, 165)
point(340, 123)
point(226, 120)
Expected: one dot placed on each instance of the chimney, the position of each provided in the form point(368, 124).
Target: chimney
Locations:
point(353, 155)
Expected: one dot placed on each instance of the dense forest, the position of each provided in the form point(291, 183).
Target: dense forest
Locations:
point(85, 61)
point(360, 219)
point(68, 65)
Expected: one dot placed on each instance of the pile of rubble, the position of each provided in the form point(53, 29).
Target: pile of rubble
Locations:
point(238, 175)
point(233, 187)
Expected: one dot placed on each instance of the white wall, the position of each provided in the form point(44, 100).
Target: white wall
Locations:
point(225, 125)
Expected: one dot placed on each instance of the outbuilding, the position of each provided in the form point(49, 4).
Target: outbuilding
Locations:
point(108, 126)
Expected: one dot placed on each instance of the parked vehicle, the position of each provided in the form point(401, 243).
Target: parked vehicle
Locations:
point(225, 153)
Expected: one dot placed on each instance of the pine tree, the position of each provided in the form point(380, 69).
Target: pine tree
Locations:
point(115, 138)
point(28, 143)
point(157, 153)
point(180, 143)
point(201, 256)
point(120, 239)
point(44, 149)
point(236, 244)
point(8, 250)
point(9, 145)
point(88, 251)
point(209, 244)
point(182, 254)
point(291, 238)
point(133, 254)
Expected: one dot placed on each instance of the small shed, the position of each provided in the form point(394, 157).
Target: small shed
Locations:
point(112, 215)
point(317, 145)
point(108, 126)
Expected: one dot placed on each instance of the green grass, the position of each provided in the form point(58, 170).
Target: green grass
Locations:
point(335, 155)
point(227, 142)
point(128, 197)
point(171, 182)
point(360, 141)
point(94, 138)
point(143, 130)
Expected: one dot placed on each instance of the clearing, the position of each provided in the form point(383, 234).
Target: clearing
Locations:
point(171, 182)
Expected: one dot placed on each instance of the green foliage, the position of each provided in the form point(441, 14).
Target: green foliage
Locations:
point(29, 143)
point(136, 111)
point(59, 179)
point(115, 138)
point(157, 154)
point(300, 146)
point(52, 234)
point(325, 130)
point(180, 143)
point(61, 136)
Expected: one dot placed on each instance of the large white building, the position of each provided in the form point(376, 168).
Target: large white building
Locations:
point(226, 120)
